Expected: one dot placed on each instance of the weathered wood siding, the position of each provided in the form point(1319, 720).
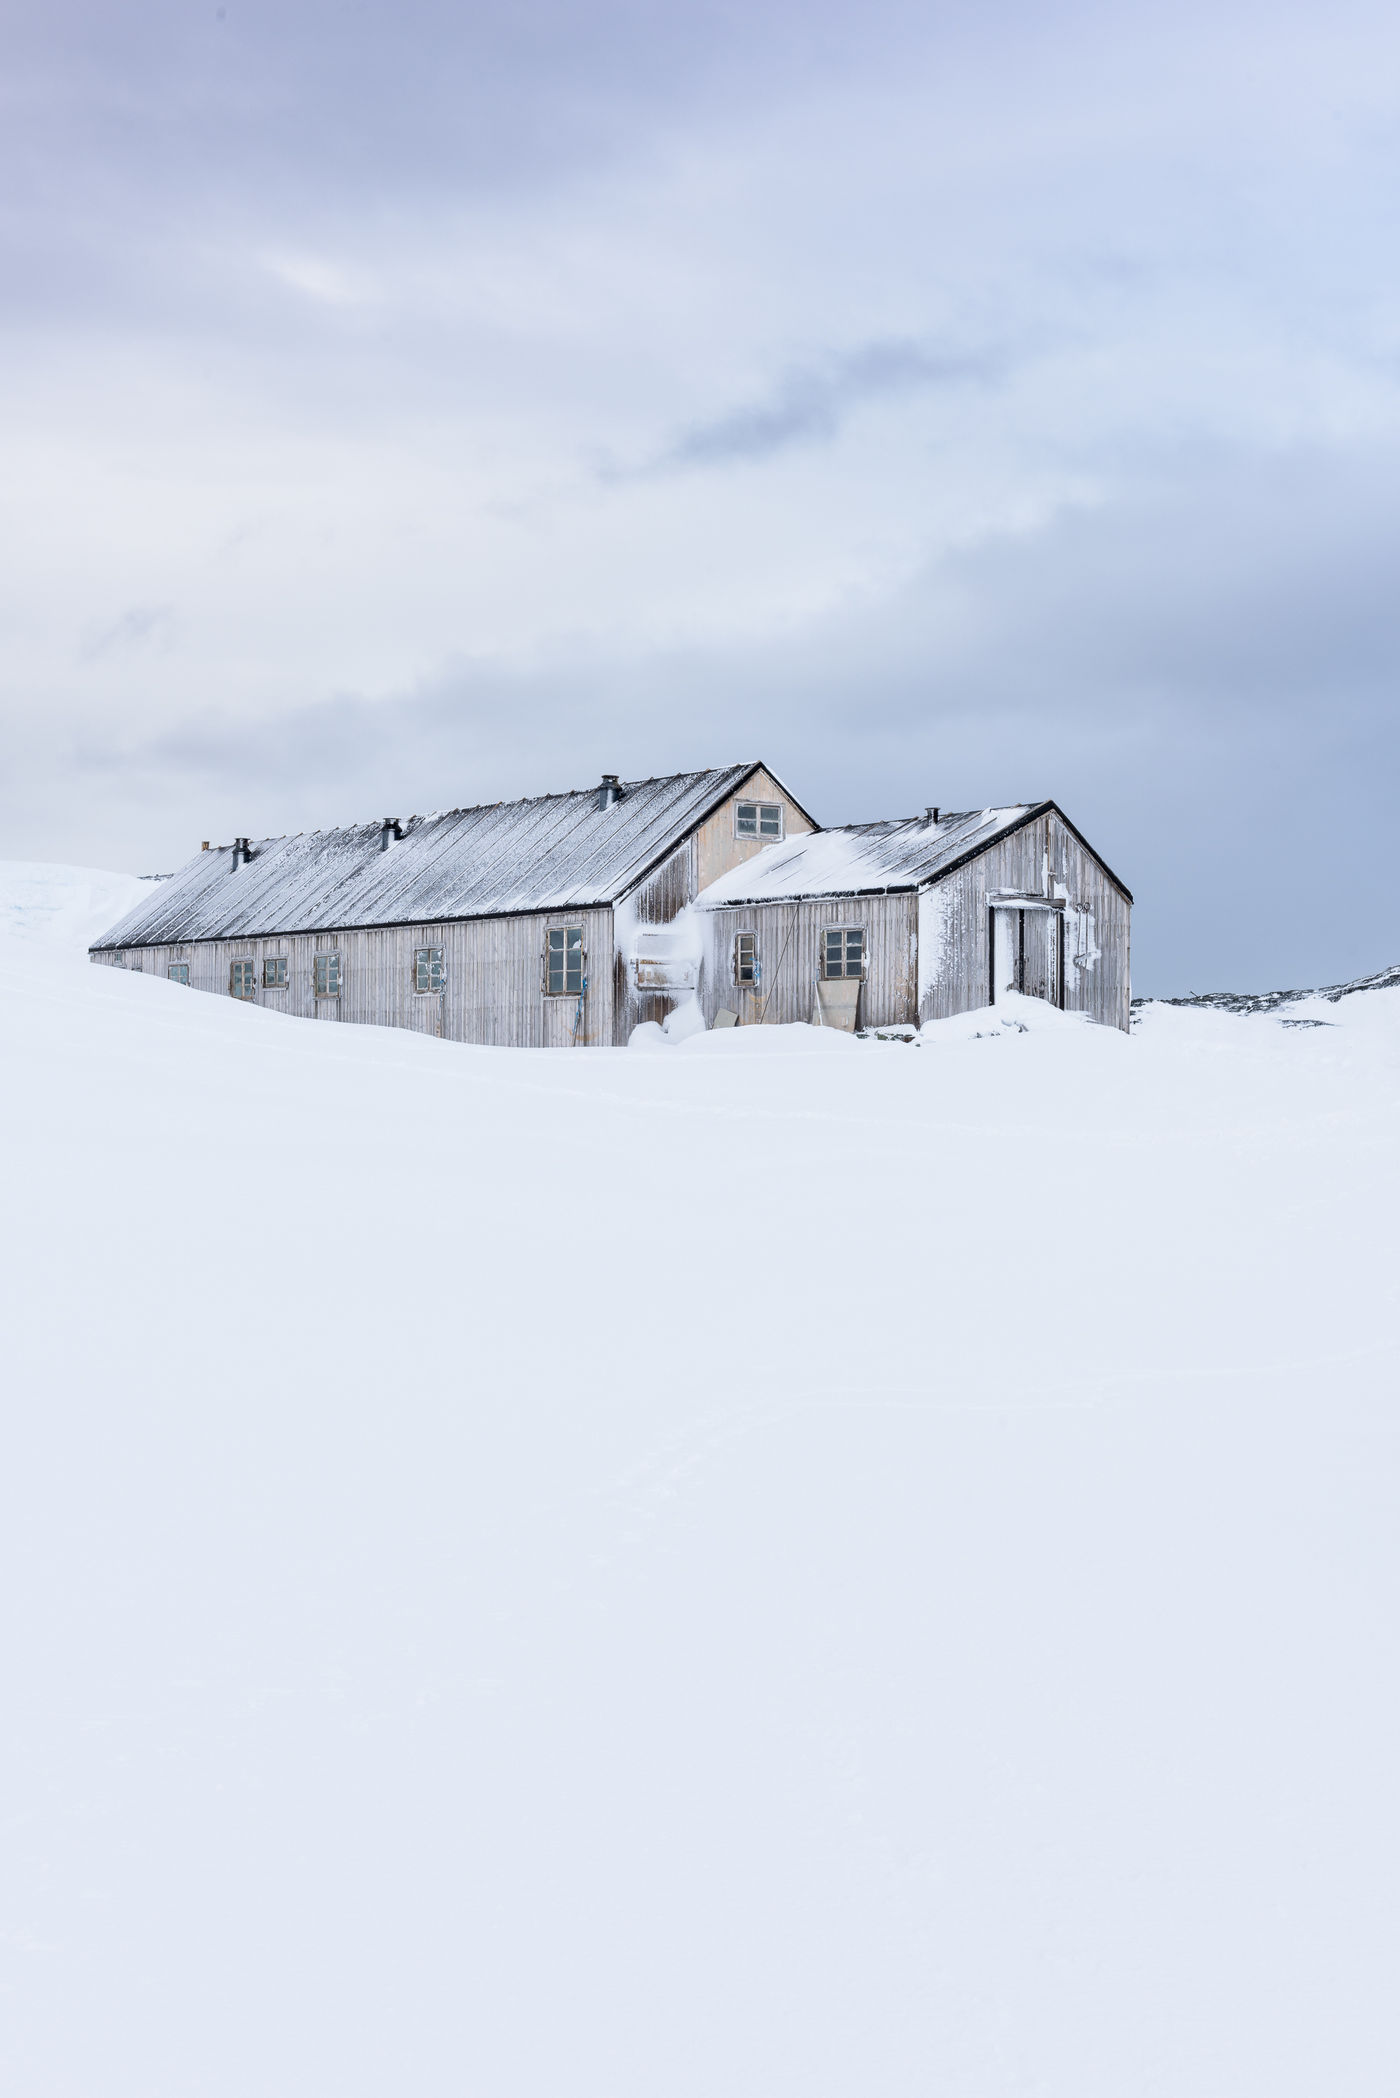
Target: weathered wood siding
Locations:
point(789, 951)
point(717, 848)
point(495, 978)
point(1043, 859)
point(709, 852)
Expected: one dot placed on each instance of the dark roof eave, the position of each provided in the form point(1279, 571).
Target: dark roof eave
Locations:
point(755, 903)
point(311, 932)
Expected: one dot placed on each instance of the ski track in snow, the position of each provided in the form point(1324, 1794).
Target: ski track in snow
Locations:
point(765, 1569)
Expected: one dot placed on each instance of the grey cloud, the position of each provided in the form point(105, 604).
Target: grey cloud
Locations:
point(381, 100)
point(1201, 672)
point(810, 404)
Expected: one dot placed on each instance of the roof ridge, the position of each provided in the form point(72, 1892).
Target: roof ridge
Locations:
point(519, 801)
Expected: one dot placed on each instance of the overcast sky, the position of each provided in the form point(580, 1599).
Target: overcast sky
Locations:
point(410, 405)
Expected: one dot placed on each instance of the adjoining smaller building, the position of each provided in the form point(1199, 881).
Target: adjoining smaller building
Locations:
point(567, 919)
point(892, 924)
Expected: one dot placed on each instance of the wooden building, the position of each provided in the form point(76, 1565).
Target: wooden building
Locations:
point(929, 916)
point(567, 919)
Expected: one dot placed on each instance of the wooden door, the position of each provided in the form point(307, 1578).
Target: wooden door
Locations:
point(1038, 944)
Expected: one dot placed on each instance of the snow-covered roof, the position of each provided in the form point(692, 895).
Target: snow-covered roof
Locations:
point(864, 859)
point(553, 852)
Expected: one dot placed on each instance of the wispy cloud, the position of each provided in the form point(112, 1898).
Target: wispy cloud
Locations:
point(328, 283)
point(141, 626)
point(811, 402)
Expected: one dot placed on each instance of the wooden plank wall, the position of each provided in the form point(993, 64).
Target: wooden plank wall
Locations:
point(495, 978)
point(1044, 859)
point(717, 848)
point(789, 946)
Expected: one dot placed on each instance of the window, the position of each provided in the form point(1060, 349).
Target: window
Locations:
point(746, 957)
point(429, 969)
point(275, 973)
point(243, 979)
point(563, 961)
point(179, 972)
point(328, 976)
point(843, 951)
point(758, 819)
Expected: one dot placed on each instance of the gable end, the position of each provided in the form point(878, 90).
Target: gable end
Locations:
point(1042, 808)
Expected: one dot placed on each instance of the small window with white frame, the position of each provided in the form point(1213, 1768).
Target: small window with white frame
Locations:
point(275, 972)
point(429, 969)
point(327, 975)
point(758, 819)
point(843, 950)
point(746, 958)
point(563, 961)
point(243, 979)
point(179, 972)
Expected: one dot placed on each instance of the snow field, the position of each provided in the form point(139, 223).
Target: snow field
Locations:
point(777, 1566)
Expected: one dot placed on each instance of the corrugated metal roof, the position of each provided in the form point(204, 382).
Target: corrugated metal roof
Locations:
point(554, 852)
point(864, 859)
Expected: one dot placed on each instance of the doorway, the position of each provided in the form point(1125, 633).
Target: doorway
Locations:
point(1026, 943)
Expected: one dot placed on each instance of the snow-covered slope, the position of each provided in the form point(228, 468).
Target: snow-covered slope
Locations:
point(63, 908)
point(765, 1570)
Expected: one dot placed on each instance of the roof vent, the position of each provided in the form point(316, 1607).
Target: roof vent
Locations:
point(242, 851)
point(609, 791)
point(931, 813)
point(391, 830)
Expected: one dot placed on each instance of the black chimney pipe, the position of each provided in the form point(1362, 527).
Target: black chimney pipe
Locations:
point(609, 791)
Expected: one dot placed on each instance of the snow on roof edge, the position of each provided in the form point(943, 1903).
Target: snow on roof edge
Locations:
point(866, 859)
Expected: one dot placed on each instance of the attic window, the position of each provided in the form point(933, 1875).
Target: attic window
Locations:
point(179, 972)
point(563, 961)
point(758, 819)
point(243, 979)
point(746, 957)
point(429, 969)
point(328, 976)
